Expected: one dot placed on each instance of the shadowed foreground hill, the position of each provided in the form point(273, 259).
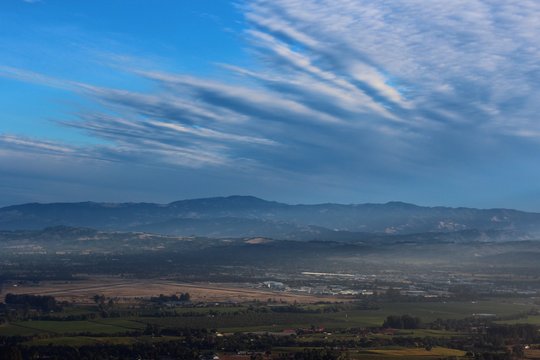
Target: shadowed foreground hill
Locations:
point(250, 216)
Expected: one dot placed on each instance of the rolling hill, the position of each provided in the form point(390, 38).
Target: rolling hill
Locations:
point(238, 216)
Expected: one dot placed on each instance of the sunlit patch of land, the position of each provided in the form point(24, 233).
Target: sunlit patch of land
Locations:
point(130, 290)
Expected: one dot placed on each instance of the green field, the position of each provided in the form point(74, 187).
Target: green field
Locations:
point(344, 319)
point(89, 340)
point(100, 326)
point(532, 319)
point(436, 351)
point(253, 319)
point(392, 353)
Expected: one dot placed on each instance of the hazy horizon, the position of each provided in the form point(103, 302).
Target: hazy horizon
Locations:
point(308, 101)
point(266, 200)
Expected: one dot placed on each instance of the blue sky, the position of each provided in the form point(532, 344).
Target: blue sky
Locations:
point(434, 103)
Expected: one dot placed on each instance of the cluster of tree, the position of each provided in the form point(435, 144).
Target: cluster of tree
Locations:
point(144, 351)
point(302, 309)
point(470, 324)
point(174, 350)
point(183, 297)
point(43, 303)
point(312, 354)
point(10, 352)
point(498, 342)
point(402, 322)
point(512, 334)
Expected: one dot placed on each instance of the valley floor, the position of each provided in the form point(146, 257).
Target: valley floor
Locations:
point(129, 290)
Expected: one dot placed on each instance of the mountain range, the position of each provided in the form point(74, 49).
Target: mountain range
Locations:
point(247, 216)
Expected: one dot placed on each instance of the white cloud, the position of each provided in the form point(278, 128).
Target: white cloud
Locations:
point(481, 50)
point(352, 88)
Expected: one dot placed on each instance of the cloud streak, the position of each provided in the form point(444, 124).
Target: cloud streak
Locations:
point(348, 89)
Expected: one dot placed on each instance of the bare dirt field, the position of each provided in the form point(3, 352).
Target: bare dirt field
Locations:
point(532, 354)
point(129, 290)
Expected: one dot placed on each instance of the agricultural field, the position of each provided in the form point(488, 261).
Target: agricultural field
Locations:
point(293, 329)
point(530, 319)
point(239, 318)
point(407, 352)
point(52, 328)
point(130, 290)
point(238, 321)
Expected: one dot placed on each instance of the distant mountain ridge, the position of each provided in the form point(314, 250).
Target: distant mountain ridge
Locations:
point(250, 216)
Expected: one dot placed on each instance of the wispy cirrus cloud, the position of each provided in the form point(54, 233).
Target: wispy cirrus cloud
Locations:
point(36, 145)
point(364, 90)
point(462, 58)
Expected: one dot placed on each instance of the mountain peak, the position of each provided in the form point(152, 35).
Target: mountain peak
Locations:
point(231, 201)
point(401, 204)
point(241, 211)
